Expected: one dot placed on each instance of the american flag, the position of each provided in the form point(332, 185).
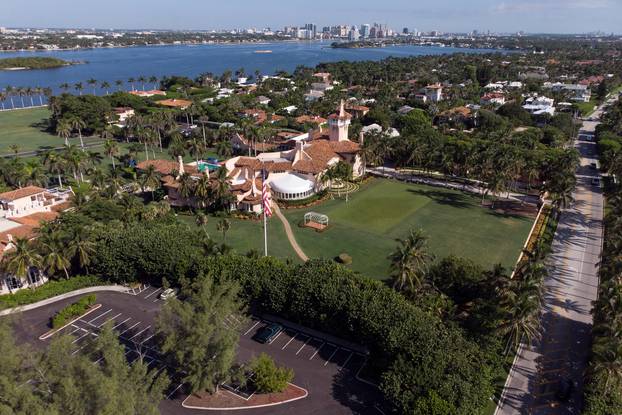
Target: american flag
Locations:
point(266, 198)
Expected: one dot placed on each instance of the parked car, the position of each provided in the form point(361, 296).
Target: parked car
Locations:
point(268, 333)
point(596, 182)
point(168, 294)
point(593, 166)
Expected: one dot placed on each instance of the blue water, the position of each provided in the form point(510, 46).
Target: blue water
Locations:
point(124, 63)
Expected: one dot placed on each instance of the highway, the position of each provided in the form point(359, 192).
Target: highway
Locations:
point(571, 286)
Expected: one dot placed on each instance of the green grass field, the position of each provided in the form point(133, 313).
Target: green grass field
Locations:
point(366, 227)
point(26, 128)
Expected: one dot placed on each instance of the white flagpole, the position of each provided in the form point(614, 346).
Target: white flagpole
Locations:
point(265, 220)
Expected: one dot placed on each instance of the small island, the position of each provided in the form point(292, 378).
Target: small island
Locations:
point(13, 64)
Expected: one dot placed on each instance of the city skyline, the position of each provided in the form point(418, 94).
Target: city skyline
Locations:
point(547, 16)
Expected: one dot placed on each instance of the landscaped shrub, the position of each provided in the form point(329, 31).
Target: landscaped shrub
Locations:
point(48, 290)
point(270, 378)
point(344, 259)
point(73, 310)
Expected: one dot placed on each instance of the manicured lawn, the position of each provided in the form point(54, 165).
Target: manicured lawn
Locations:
point(587, 108)
point(366, 227)
point(245, 235)
point(27, 128)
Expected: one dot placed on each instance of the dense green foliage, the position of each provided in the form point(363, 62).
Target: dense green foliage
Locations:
point(268, 377)
point(58, 382)
point(32, 63)
point(199, 334)
point(72, 311)
point(48, 290)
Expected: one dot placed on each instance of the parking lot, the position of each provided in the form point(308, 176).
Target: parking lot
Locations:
point(323, 365)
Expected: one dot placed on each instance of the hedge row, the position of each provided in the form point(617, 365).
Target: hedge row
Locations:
point(48, 290)
point(73, 310)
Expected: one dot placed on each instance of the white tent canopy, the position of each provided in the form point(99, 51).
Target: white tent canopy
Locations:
point(290, 186)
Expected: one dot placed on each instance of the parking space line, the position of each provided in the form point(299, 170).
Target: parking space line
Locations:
point(129, 328)
point(175, 390)
point(76, 329)
point(290, 340)
point(110, 319)
point(147, 339)
point(276, 337)
point(249, 330)
point(122, 322)
point(140, 332)
point(101, 315)
point(318, 349)
point(303, 345)
point(156, 291)
point(346, 362)
point(331, 356)
point(81, 337)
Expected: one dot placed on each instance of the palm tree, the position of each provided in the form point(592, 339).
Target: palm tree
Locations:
point(195, 148)
point(203, 189)
point(78, 123)
point(93, 158)
point(92, 83)
point(65, 86)
point(106, 87)
point(223, 227)
point(34, 174)
point(409, 261)
point(55, 256)
point(21, 258)
point(10, 91)
point(224, 148)
point(111, 148)
point(153, 80)
point(78, 87)
point(55, 165)
point(150, 179)
point(142, 80)
point(119, 84)
point(79, 247)
point(204, 119)
point(15, 149)
point(131, 82)
point(63, 129)
point(186, 186)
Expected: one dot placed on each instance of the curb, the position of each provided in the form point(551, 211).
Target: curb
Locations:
point(50, 333)
point(238, 408)
point(51, 300)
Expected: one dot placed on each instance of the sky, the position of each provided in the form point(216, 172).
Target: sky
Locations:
point(535, 16)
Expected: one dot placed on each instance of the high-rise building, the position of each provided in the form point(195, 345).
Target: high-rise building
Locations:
point(312, 29)
point(354, 34)
point(365, 30)
point(405, 31)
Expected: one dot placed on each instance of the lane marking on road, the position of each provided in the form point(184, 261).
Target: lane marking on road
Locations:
point(101, 315)
point(249, 330)
point(110, 319)
point(303, 345)
point(318, 349)
point(156, 291)
point(290, 340)
point(175, 390)
point(124, 321)
point(129, 328)
point(140, 332)
point(331, 356)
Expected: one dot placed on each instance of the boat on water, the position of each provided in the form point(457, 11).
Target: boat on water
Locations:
point(263, 51)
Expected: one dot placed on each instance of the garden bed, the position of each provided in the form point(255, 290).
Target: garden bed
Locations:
point(225, 400)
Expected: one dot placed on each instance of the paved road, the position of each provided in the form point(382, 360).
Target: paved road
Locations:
point(571, 286)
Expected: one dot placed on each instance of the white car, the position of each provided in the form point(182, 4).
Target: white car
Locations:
point(168, 294)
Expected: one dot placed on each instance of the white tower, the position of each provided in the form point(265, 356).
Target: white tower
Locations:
point(338, 124)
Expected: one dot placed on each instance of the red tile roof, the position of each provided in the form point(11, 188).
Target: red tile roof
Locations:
point(21, 193)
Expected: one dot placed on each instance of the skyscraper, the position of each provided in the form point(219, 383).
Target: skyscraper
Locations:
point(365, 30)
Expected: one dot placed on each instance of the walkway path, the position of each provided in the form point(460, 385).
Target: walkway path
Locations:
point(289, 233)
point(571, 286)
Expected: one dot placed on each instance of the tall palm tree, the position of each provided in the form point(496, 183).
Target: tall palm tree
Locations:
point(80, 248)
point(65, 86)
point(78, 86)
point(409, 261)
point(92, 83)
point(224, 148)
point(186, 186)
point(106, 87)
point(195, 148)
point(119, 84)
point(142, 80)
point(131, 82)
point(64, 129)
point(203, 189)
point(78, 123)
point(10, 91)
point(153, 80)
point(55, 165)
point(223, 227)
point(21, 258)
point(150, 179)
point(203, 120)
point(111, 148)
point(55, 256)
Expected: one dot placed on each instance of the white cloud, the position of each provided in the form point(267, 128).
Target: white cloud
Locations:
point(527, 6)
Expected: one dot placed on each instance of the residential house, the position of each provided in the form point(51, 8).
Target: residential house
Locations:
point(539, 105)
point(147, 94)
point(434, 93)
point(405, 110)
point(377, 129)
point(495, 99)
point(181, 104)
point(263, 100)
point(458, 117)
point(357, 111)
point(311, 119)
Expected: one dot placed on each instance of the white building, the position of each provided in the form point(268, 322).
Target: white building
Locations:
point(434, 93)
point(539, 105)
